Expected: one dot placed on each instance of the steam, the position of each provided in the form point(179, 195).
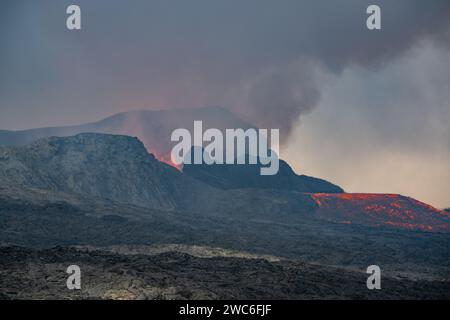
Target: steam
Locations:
point(277, 97)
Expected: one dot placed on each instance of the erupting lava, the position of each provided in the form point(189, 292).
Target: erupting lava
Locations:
point(381, 210)
point(166, 158)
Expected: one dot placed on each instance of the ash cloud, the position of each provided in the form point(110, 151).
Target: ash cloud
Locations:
point(278, 95)
point(261, 58)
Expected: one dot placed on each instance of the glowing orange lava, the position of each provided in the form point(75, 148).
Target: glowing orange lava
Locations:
point(381, 210)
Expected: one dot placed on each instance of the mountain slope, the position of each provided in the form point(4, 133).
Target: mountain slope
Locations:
point(112, 167)
point(236, 176)
point(120, 169)
point(153, 128)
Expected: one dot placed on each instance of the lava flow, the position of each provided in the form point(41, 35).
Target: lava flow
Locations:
point(390, 210)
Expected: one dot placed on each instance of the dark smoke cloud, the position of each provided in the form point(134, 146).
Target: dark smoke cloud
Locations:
point(337, 38)
point(278, 96)
point(262, 58)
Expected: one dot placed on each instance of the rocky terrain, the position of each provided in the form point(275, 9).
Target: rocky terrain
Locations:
point(106, 166)
point(118, 168)
point(27, 273)
point(66, 219)
point(238, 177)
point(98, 191)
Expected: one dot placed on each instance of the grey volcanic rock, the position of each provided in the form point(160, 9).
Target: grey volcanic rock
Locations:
point(32, 274)
point(111, 167)
point(154, 129)
point(31, 221)
point(120, 169)
point(234, 176)
point(103, 190)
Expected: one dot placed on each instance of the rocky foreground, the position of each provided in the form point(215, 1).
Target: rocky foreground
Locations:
point(41, 274)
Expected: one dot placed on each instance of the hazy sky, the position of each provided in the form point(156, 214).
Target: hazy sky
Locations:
point(369, 110)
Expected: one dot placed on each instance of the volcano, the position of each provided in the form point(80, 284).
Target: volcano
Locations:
point(100, 190)
point(234, 176)
point(153, 128)
point(115, 167)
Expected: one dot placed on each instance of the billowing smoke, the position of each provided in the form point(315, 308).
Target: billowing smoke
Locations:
point(385, 131)
point(261, 58)
point(277, 96)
